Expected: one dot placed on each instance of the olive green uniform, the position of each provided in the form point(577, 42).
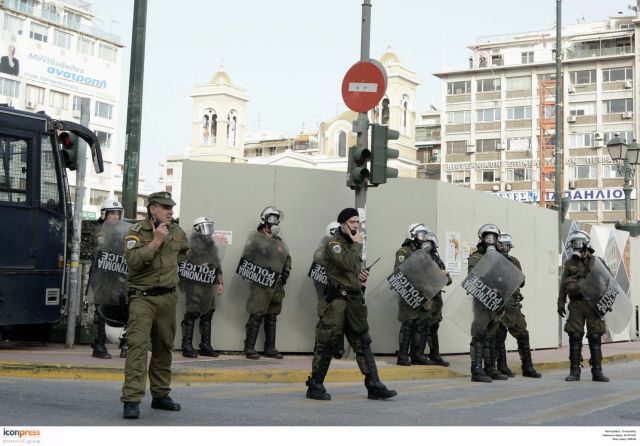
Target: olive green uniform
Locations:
point(513, 318)
point(152, 279)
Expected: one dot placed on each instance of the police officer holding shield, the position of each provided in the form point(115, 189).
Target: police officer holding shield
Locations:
point(513, 321)
point(200, 288)
point(578, 265)
point(346, 312)
point(153, 249)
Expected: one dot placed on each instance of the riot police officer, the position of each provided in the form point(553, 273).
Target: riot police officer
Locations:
point(110, 211)
point(415, 322)
point(266, 303)
point(513, 321)
point(484, 326)
point(200, 296)
point(346, 312)
point(580, 260)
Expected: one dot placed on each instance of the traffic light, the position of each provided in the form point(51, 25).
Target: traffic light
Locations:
point(381, 153)
point(69, 149)
point(357, 172)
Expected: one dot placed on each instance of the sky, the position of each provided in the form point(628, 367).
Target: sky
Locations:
point(291, 55)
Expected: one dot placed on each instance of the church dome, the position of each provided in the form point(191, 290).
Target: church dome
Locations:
point(221, 77)
point(390, 58)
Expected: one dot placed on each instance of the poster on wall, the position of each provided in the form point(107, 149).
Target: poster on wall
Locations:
point(453, 253)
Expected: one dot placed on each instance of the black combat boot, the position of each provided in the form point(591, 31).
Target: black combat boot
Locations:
point(419, 343)
point(476, 348)
point(375, 389)
point(575, 355)
point(434, 346)
point(131, 410)
point(252, 328)
point(205, 348)
point(270, 349)
point(188, 324)
point(405, 336)
point(595, 347)
point(501, 352)
point(525, 356)
point(99, 348)
point(489, 355)
point(315, 383)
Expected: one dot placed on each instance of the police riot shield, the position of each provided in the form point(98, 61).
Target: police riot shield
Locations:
point(605, 295)
point(108, 278)
point(414, 280)
point(483, 293)
point(262, 260)
point(199, 273)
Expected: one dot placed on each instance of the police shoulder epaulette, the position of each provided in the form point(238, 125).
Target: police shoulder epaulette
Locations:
point(136, 228)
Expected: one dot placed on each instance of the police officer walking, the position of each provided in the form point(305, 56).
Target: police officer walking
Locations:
point(153, 249)
point(579, 263)
point(513, 321)
point(484, 326)
point(346, 312)
point(415, 322)
point(200, 297)
point(266, 303)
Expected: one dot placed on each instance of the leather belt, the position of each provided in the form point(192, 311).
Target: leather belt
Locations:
point(152, 291)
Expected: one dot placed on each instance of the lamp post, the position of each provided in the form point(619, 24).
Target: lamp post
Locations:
point(626, 159)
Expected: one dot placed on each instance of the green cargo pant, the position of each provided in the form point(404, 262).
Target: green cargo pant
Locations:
point(265, 300)
point(513, 319)
point(581, 312)
point(151, 318)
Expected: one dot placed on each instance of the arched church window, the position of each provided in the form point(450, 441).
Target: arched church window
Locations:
point(209, 127)
point(232, 128)
point(342, 144)
point(385, 112)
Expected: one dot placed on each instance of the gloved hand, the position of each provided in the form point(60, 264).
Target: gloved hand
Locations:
point(561, 311)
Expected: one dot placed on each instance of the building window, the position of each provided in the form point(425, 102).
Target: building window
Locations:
point(582, 77)
point(584, 172)
point(519, 144)
point(527, 57)
point(523, 112)
point(272, 151)
point(39, 32)
point(86, 46)
point(487, 145)
point(459, 117)
point(614, 205)
point(582, 109)
point(232, 128)
point(72, 20)
point(488, 176)
point(581, 140)
point(50, 12)
point(384, 120)
point(610, 171)
point(460, 87)
point(209, 127)
point(61, 39)
point(584, 206)
point(485, 85)
point(497, 60)
point(169, 171)
point(58, 100)
point(104, 110)
point(13, 24)
point(456, 147)
point(258, 151)
point(459, 177)
point(515, 175)
point(104, 138)
point(626, 136)
point(168, 189)
point(107, 52)
point(9, 88)
point(97, 196)
point(617, 74)
point(519, 83)
point(342, 144)
point(488, 115)
point(34, 94)
point(77, 102)
point(618, 105)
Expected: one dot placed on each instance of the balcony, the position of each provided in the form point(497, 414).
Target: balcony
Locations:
point(599, 49)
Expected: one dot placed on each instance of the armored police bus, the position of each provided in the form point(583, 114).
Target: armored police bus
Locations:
point(35, 206)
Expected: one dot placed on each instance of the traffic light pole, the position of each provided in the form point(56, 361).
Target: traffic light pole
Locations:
point(73, 297)
point(361, 126)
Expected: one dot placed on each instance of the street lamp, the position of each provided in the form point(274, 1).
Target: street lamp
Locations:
point(626, 158)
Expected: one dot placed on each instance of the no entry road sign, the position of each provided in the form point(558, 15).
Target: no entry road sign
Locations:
point(364, 85)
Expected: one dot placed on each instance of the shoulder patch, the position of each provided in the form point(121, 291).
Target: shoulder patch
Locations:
point(131, 243)
point(136, 228)
point(132, 237)
point(337, 248)
point(401, 258)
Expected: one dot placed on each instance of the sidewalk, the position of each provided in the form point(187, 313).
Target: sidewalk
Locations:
point(54, 361)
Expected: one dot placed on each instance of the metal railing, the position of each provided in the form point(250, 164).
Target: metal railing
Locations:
point(579, 53)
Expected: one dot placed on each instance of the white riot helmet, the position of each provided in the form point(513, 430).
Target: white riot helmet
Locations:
point(203, 225)
point(485, 232)
point(332, 228)
point(418, 231)
point(578, 243)
point(431, 244)
point(110, 205)
point(271, 216)
point(505, 243)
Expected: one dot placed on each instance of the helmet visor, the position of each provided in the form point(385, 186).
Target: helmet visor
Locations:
point(206, 228)
point(273, 219)
point(490, 238)
point(421, 236)
point(577, 244)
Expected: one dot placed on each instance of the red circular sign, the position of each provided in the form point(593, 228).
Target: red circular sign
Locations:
point(364, 85)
